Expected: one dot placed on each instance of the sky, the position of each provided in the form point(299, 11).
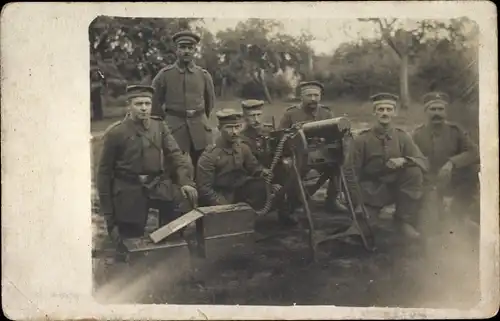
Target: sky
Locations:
point(328, 33)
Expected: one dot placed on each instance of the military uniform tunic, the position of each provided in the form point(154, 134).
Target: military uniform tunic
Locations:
point(130, 150)
point(450, 142)
point(223, 169)
point(446, 143)
point(185, 99)
point(369, 153)
point(254, 139)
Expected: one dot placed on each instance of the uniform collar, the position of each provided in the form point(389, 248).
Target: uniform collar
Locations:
point(190, 67)
point(250, 131)
point(144, 126)
point(225, 145)
point(383, 132)
point(311, 111)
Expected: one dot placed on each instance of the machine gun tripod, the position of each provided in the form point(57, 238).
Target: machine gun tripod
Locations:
point(315, 145)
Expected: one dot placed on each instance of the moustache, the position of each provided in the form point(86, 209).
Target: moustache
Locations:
point(437, 117)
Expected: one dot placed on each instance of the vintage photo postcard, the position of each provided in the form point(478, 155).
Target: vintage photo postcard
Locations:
point(255, 160)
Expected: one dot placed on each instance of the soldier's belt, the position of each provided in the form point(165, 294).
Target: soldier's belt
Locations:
point(189, 113)
point(136, 178)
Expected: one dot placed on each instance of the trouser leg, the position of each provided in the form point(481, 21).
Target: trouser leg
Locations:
point(195, 155)
point(332, 202)
point(409, 191)
point(168, 211)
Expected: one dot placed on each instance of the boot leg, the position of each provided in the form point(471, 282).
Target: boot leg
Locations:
point(406, 216)
point(332, 203)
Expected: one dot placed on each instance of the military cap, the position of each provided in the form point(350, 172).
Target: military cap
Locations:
point(229, 116)
point(310, 84)
point(435, 97)
point(252, 104)
point(139, 91)
point(186, 36)
point(384, 98)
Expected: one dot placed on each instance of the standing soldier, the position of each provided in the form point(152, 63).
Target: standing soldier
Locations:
point(131, 177)
point(255, 130)
point(184, 97)
point(389, 166)
point(453, 156)
point(309, 110)
point(227, 171)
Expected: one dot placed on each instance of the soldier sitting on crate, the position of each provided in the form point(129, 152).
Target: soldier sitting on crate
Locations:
point(309, 110)
point(227, 171)
point(389, 166)
point(453, 156)
point(131, 174)
point(255, 130)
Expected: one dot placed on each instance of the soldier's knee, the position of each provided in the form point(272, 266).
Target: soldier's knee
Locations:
point(414, 174)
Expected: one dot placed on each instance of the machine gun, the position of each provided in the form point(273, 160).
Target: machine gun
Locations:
point(320, 145)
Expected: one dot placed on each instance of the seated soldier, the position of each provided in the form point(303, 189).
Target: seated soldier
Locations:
point(389, 166)
point(453, 156)
point(254, 130)
point(227, 171)
point(309, 110)
point(131, 174)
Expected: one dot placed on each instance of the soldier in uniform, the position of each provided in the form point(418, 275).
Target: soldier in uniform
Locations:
point(131, 174)
point(453, 156)
point(389, 166)
point(227, 171)
point(184, 97)
point(309, 110)
point(255, 130)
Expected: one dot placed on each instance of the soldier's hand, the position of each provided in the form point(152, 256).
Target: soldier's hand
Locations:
point(444, 174)
point(394, 163)
point(266, 172)
point(190, 193)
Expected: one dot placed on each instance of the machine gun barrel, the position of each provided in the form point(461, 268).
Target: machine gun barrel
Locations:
point(335, 127)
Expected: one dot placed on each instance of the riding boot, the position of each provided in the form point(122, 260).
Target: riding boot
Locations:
point(332, 203)
point(406, 215)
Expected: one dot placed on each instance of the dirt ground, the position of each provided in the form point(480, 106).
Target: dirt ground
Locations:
point(441, 271)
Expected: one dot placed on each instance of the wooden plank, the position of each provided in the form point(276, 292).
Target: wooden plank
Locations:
point(218, 220)
point(144, 244)
point(174, 226)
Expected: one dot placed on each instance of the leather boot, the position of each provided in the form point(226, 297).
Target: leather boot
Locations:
point(332, 204)
point(406, 216)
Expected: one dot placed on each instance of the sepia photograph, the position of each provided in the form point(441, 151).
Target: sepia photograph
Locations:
point(285, 161)
point(250, 161)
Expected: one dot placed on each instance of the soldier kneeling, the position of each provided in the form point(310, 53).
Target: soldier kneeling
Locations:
point(389, 166)
point(131, 176)
point(228, 172)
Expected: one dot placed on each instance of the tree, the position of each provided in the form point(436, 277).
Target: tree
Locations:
point(257, 49)
point(138, 47)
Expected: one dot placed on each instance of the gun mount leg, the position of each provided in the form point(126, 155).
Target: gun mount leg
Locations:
point(305, 203)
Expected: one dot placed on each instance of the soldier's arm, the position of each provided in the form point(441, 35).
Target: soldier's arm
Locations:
point(205, 178)
point(105, 172)
point(175, 157)
point(158, 83)
point(412, 152)
point(250, 162)
point(469, 151)
point(209, 93)
point(285, 122)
